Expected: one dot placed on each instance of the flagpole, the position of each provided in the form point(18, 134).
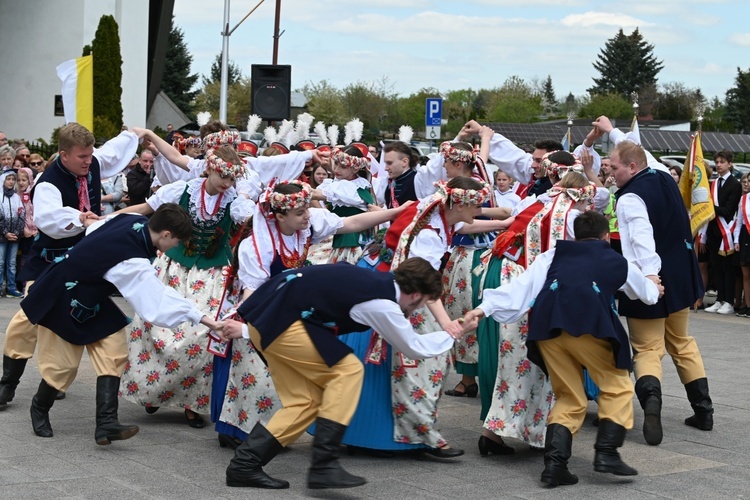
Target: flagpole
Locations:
point(570, 125)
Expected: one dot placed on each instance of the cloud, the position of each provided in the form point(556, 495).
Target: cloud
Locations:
point(591, 18)
point(741, 39)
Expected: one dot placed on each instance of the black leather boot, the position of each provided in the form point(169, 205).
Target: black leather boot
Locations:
point(40, 406)
point(648, 390)
point(12, 371)
point(326, 471)
point(108, 428)
point(607, 459)
point(697, 393)
point(557, 446)
point(245, 469)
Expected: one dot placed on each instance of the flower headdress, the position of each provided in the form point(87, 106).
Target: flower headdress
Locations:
point(457, 155)
point(346, 160)
point(191, 141)
point(222, 138)
point(281, 202)
point(560, 169)
point(585, 194)
point(463, 196)
point(224, 168)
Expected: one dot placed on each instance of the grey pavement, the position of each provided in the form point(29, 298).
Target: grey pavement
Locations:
point(170, 460)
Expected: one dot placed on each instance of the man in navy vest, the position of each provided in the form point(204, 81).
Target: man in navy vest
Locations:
point(66, 198)
point(72, 307)
point(572, 325)
point(655, 235)
point(293, 320)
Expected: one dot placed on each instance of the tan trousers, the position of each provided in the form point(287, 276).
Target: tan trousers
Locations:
point(565, 357)
point(59, 359)
point(307, 386)
point(650, 337)
point(20, 337)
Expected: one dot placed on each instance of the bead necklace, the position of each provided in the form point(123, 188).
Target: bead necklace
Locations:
point(204, 212)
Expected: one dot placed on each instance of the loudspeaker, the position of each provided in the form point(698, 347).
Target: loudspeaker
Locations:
point(270, 86)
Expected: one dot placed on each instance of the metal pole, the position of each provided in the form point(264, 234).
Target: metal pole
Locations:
point(224, 65)
point(276, 33)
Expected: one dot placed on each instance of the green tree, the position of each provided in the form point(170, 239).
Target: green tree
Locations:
point(324, 102)
point(107, 78)
point(458, 108)
point(676, 102)
point(714, 118)
point(411, 110)
point(177, 81)
point(515, 102)
point(737, 102)
point(238, 100)
point(549, 100)
point(233, 72)
point(370, 102)
point(626, 64)
point(611, 105)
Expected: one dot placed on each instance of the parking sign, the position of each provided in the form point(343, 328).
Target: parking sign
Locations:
point(434, 112)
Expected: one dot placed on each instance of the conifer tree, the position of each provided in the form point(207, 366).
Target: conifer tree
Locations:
point(107, 77)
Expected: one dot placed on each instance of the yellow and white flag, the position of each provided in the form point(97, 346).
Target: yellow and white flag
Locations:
point(77, 77)
point(694, 187)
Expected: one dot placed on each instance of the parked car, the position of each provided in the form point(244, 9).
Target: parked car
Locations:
point(740, 169)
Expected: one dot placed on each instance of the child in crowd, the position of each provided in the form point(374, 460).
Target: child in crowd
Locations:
point(12, 221)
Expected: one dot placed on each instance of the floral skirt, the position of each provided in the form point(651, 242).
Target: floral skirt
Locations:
point(417, 386)
point(461, 288)
point(172, 368)
point(345, 254)
point(522, 396)
point(320, 253)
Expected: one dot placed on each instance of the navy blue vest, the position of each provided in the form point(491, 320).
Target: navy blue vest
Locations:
point(321, 296)
point(674, 243)
point(540, 186)
point(403, 188)
point(577, 297)
point(45, 248)
point(71, 296)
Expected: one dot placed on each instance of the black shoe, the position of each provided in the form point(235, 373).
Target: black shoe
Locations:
point(740, 311)
point(443, 452)
point(227, 441)
point(557, 450)
point(41, 404)
point(194, 420)
point(151, 409)
point(607, 459)
point(60, 396)
point(469, 390)
point(487, 446)
point(108, 427)
point(648, 390)
point(326, 471)
point(697, 393)
point(257, 450)
point(12, 371)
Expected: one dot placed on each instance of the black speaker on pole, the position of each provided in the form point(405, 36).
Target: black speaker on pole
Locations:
point(271, 89)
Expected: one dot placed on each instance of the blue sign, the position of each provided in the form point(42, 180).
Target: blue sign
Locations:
point(434, 112)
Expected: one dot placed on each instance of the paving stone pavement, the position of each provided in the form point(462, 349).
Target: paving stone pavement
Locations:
point(169, 460)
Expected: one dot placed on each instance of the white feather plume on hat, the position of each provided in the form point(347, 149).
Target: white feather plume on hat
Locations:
point(320, 129)
point(405, 133)
point(286, 132)
point(333, 135)
point(353, 131)
point(253, 122)
point(203, 118)
point(302, 128)
point(270, 134)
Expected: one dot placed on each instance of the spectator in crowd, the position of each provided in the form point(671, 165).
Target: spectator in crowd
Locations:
point(139, 179)
point(20, 162)
point(23, 188)
point(12, 220)
point(742, 247)
point(7, 155)
point(36, 164)
point(112, 194)
point(3, 139)
point(676, 173)
point(504, 197)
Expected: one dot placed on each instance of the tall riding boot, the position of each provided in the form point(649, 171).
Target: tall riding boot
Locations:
point(40, 406)
point(648, 390)
point(607, 459)
point(326, 471)
point(108, 428)
point(557, 450)
point(12, 371)
point(257, 450)
point(697, 393)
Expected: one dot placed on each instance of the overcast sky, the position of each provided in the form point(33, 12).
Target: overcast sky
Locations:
point(475, 44)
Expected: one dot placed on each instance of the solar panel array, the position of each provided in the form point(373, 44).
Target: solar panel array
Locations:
point(653, 140)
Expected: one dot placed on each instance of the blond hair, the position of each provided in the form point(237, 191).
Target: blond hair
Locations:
point(72, 135)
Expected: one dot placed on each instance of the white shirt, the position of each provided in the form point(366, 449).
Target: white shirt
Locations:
point(156, 303)
point(239, 211)
point(637, 234)
point(508, 303)
point(58, 221)
point(508, 199)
